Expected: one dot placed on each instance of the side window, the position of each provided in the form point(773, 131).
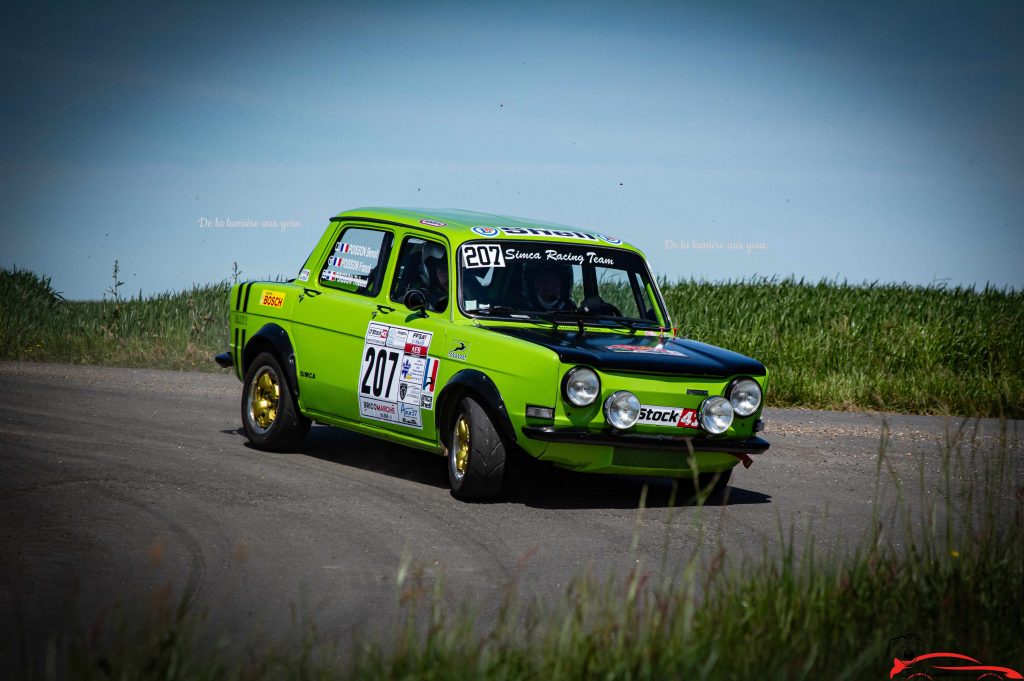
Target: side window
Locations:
point(422, 265)
point(357, 262)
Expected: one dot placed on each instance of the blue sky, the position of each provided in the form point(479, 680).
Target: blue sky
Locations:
point(860, 141)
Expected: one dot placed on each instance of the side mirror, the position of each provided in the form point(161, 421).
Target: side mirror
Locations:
point(415, 300)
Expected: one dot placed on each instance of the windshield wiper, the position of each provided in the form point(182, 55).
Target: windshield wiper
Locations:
point(566, 317)
point(514, 312)
point(634, 324)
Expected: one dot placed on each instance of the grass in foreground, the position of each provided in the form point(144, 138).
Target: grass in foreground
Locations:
point(826, 345)
point(950, 570)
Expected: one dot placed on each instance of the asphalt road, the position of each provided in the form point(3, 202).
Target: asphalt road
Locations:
point(117, 482)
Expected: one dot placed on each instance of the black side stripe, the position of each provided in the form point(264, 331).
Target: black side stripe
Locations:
point(245, 298)
point(238, 298)
point(235, 356)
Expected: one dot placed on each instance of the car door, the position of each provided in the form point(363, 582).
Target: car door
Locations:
point(331, 315)
point(417, 336)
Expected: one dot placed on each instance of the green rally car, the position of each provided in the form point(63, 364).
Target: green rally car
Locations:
point(487, 339)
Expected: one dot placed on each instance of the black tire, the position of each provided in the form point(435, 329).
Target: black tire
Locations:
point(275, 427)
point(480, 474)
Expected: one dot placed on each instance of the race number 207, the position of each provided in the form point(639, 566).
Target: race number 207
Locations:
point(482, 255)
point(380, 366)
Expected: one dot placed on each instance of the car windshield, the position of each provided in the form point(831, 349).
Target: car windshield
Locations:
point(556, 282)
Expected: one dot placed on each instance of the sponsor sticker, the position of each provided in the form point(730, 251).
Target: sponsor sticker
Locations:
point(412, 369)
point(458, 349)
point(429, 383)
point(421, 338)
point(397, 337)
point(272, 298)
point(540, 231)
point(304, 275)
point(675, 417)
point(434, 223)
point(645, 349)
point(409, 415)
point(392, 374)
point(378, 409)
point(377, 333)
point(430, 375)
point(409, 392)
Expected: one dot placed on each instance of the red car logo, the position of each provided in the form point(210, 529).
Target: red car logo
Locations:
point(941, 665)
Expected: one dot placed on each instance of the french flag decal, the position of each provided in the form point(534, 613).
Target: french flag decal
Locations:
point(430, 375)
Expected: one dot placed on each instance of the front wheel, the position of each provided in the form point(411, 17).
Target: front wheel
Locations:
point(270, 417)
point(476, 453)
point(712, 485)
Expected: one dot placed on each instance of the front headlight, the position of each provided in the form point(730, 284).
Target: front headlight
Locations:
point(715, 415)
point(745, 395)
point(622, 409)
point(582, 386)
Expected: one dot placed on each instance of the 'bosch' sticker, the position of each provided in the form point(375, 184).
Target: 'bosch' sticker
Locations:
point(272, 298)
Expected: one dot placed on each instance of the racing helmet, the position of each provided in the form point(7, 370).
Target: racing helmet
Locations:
point(548, 284)
point(431, 257)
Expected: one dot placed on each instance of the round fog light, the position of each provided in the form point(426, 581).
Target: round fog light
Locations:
point(716, 415)
point(622, 409)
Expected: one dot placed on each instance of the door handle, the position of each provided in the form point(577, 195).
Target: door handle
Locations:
point(384, 308)
point(312, 292)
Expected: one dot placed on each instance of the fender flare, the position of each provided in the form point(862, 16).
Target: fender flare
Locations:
point(273, 339)
point(478, 385)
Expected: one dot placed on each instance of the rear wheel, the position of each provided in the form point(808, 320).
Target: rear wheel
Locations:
point(270, 417)
point(476, 453)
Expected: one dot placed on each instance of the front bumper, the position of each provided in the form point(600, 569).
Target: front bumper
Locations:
point(750, 445)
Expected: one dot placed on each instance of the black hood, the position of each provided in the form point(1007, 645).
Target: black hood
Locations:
point(621, 352)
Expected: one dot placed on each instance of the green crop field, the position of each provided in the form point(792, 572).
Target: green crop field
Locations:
point(827, 345)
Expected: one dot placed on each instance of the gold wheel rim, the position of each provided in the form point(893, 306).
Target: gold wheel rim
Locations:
point(461, 446)
point(264, 396)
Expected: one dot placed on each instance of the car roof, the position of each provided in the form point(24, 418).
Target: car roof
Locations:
point(459, 225)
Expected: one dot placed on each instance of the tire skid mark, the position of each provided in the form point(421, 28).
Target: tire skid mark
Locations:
point(197, 561)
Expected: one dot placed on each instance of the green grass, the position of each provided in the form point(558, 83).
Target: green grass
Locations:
point(887, 347)
point(179, 330)
point(949, 569)
point(827, 345)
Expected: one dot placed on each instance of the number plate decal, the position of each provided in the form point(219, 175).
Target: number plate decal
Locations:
point(482, 255)
point(396, 378)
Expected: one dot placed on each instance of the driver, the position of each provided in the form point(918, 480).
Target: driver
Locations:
point(547, 286)
point(434, 269)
